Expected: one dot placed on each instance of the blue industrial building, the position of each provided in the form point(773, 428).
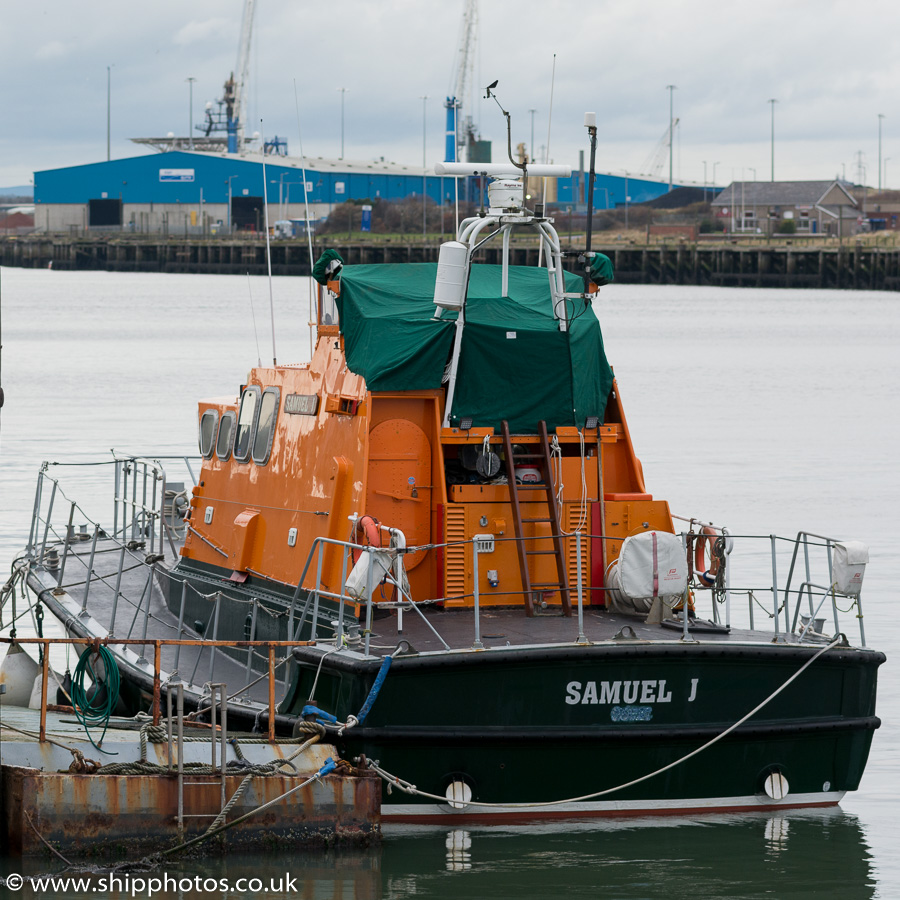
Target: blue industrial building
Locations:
point(184, 191)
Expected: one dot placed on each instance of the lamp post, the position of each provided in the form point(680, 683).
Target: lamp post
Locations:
point(671, 89)
point(627, 198)
point(880, 117)
point(190, 80)
point(531, 145)
point(424, 100)
point(343, 91)
point(281, 193)
point(713, 182)
point(108, 99)
point(886, 160)
point(228, 182)
point(773, 101)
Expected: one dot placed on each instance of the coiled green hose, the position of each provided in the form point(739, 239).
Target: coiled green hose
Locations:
point(95, 711)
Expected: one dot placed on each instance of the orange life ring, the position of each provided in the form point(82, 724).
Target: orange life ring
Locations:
point(367, 533)
point(706, 538)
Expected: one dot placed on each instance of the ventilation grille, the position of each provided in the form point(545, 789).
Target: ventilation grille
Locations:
point(455, 557)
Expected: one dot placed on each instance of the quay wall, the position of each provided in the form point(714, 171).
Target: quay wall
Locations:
point(853, 266)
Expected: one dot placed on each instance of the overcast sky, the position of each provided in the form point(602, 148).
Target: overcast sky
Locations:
point(832, 66)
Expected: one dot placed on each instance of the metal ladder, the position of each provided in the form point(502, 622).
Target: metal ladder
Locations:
point(531, 589)
point(221, 739)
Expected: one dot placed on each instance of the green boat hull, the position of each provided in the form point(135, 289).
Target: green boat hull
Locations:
point(544, 725)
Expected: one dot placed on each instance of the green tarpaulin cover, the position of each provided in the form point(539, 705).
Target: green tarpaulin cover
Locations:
point(515, 363)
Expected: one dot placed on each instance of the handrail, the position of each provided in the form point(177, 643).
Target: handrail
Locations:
point(141, 477)
point(157, 645)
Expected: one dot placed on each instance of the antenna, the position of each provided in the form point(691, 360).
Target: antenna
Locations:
point(549, 122)
point(1, 342)
point(268, 245)
point(253, 317)
point(547, 157)
point(312, 315)
point(489, 92)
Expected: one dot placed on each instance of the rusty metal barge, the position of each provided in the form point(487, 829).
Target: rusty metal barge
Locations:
point(166, 781)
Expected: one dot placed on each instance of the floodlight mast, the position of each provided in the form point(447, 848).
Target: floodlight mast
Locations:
point(590, 122)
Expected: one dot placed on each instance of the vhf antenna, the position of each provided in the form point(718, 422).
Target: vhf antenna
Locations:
point(489, 92)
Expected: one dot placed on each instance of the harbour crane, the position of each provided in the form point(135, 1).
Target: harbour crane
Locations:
point(653, 164)
point(228, 115)
point(456, 137)
point(236, 88)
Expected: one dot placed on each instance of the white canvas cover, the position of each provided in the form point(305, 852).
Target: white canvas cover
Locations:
point(849, 566)
point(651, 564)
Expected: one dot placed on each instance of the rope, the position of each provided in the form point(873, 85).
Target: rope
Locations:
point(409, 788)
point(158, 734)
point(556, 459)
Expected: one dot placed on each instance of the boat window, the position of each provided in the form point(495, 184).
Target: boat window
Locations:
point(328, 312)
point(208, 432)
point(226, 432)
point(262, 443)
point(246, 424)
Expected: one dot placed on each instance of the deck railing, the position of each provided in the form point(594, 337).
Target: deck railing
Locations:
point(141, 516)
point(157, 645)
point(721, 594)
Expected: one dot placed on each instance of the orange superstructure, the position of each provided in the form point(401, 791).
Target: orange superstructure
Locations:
point(317, 448)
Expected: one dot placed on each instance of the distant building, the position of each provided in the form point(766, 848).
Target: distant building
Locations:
point(762, 207)
point(184, 192)
point(883, 211)
point(199, 192)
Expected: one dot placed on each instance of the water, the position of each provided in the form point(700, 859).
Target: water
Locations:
point(763, 410)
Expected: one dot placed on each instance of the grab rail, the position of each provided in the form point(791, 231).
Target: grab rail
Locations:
point(157, 645)
point(139, 513)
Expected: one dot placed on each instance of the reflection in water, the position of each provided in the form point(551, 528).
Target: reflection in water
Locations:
point(790, 854)
point(799, 854)
point(777, 828)
point(458, 845)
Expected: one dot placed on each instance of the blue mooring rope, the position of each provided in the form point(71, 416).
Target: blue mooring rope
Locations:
point(309, 710)
point(376, 687)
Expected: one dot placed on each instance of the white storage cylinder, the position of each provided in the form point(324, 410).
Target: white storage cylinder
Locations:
point(650, 564)
point(450, 283)
point(849, 566)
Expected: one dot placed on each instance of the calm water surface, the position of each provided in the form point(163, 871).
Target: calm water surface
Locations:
point(763, 410)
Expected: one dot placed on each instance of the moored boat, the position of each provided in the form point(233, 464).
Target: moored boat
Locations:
point(445, 506)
